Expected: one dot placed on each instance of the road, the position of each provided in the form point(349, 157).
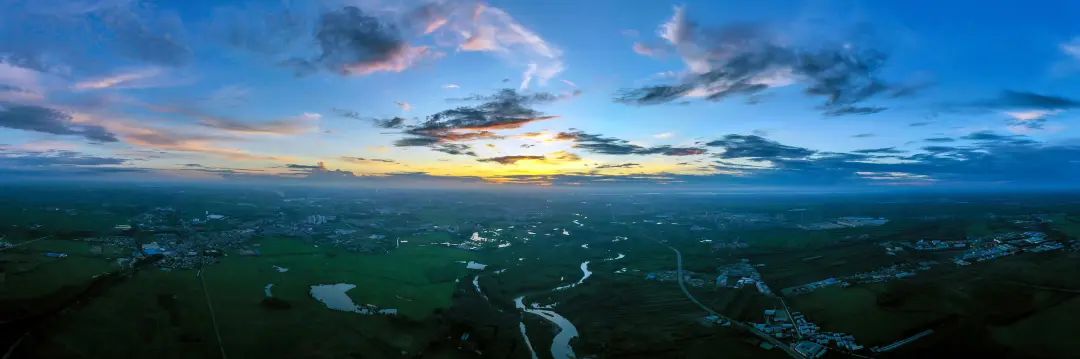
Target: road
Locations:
point(24, 243)
point(775, 342)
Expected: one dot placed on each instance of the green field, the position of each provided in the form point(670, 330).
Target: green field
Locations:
point(158, 311)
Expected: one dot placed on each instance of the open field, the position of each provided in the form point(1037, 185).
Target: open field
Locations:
point(410, 254)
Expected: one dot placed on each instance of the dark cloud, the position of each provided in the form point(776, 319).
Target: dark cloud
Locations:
point(47, 120)
point(394, 122)
point(352, 42)
point(863, 135)
point(744, 60)
point(918, 124)
point(362, 159)
point(852, 110)
point(506, 109)
point(390, 123)
point(877, 151)
point(1025, 109)
point(1022, 99)
point(509, 160)
point(454, 149)
point(416, 141)
point(15, 158)
point(613, 146)
point(303, 167)
point(220, 171)
point(939, 139)
point(988, 159)
point(621, 165)
point(12, 88)
point(757, 148)
point(1033, 124)
point(993, 139)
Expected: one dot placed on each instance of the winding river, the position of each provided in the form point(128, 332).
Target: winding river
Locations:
point(560, 345)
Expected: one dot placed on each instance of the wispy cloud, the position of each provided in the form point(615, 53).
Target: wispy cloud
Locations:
point(483, 28)
point(135, 78)
point(303, 123)
point(1072, 48)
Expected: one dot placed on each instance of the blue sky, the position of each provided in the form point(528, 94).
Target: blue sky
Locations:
point(716, 93)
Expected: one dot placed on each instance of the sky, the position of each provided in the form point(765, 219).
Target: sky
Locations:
point(725, 94)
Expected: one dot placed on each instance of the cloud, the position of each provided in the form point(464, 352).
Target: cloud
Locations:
point(553, 158)
point(19, 84)
point(879, 151)
point(1010, 99)
point(405, 106)
point(1029, 120)
point(621, 165)
point(506, 109)
point(303, 123)
point(180, 141)
point(664, 135)
point(643, 49)
point(744, 60)
point(47, 120)
point(1072, 48)
point(613, 146)
point(509, 160)
point(157, 43)
point(987, 158)
point(15, 158)
point(86, 37)
point(129, 79)
point(392, 122)
point(1025, 111)
point(989, 138)
point(478, 27)
point(354, 43)
point(757, 148)
point(451, 86)
point(895, 177)
point(366, 160)
point(1032, 115)
point(454, 149)
point(230, 95)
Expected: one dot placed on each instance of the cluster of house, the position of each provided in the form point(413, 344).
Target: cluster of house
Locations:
point(812, 286)
point(844, 222)
point(689, 278)
point(806, 337)
point(1006, 244)
point(741, 274)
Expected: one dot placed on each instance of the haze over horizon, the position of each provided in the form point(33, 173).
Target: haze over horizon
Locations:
point(840, 94)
